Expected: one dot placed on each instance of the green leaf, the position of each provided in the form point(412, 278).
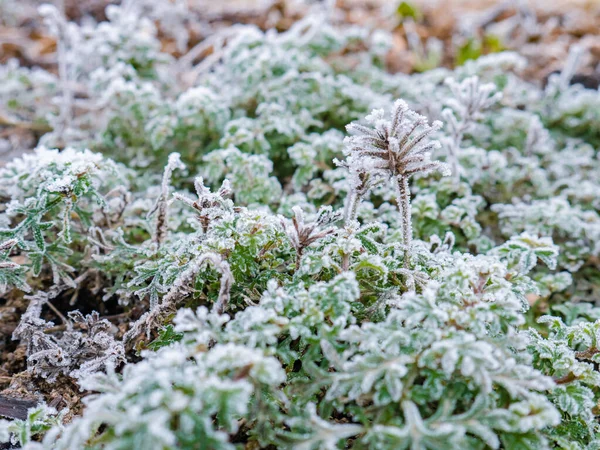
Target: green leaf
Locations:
point(471, 49)
point(166, 337)
point(407, 10)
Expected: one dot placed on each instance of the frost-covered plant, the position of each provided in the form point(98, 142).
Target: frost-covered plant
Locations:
point(210, 206)
point(249, 175)
point(39, 420)
point(11, 273)
point(177, 398)
point(161, 208)
point(51, 199)
point(267, 297)
point(574, 228)
point(181, 288)
point(569, 354)
point(470, 99)
point(302, 234)
point(85, 346)
point(24, 96)
point(393, 150)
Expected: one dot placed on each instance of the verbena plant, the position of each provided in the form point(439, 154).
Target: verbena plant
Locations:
point(280, 282)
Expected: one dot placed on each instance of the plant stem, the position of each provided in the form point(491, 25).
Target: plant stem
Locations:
point(33, 126)
point(350, 211)
point(351, 208)
point(405, 210)
point(299, 254)
point(345, 262)
point(58, 313)
point(453, 156)
point(457, 137)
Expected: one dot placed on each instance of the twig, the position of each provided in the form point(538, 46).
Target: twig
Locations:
point(33, 126)
point(58, 313)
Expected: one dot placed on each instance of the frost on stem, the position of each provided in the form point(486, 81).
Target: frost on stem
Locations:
point(181, 288)
point(209, 206)
point(162, 204)
point(30, 320)
point(361, 185)
point(470, 99)
point(391, 150)
point(303, 234)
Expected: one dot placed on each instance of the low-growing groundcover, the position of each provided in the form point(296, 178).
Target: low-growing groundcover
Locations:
point(213, 260)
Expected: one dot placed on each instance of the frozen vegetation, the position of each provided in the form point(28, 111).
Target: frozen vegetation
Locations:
point(283, 245)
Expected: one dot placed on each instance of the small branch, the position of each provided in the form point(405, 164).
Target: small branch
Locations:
point(60, 315)
point(302, 233)
point(299, 253)
point(162, 204)
point(180, 289)
point(79, 326)
point(587, 354)
point(32, 126)
point(225, 288)
point(566, 379)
